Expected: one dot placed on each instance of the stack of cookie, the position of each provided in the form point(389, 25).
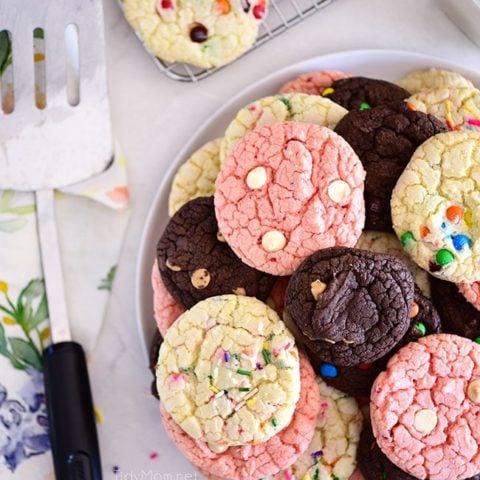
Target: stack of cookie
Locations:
point(349, 207)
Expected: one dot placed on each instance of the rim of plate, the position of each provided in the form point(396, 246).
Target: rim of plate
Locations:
point(146, 257)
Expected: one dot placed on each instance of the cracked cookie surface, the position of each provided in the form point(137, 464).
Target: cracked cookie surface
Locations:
point(425, 409)
point(352, 305)
point(228, 372)
point(287, 190)
point(313, 83)
point(298, 107)
point(251, 462)
point(196, 263)
point(433, 78)
point(196, 177)
point(435, 206)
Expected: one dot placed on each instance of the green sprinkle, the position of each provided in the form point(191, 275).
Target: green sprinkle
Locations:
point(244, 372)
point(477, 340)
point(287, 103)
point(243, 389)
point(364, 106)
point(316, 475)
point(407, 237)
point(274, 422)
point(266, 356)
point(421, 328)
point(385, 476)
point(444, 257)
point(334, 477)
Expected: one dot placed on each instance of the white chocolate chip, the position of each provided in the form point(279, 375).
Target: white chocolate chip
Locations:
point(339, 191)
point(328, 340)
point(239, 291)
point(425, 420)
point(174, 268)
point(273, 241)
point(473, 391)
point(317, 288)
point(200, 278)
point(220, 237)
point(257, 177)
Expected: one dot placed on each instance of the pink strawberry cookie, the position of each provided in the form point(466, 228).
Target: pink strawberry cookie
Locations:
point(252, 462)
point(425, 408)
point(287, 190)
point(313, 83)
point(166, 308)
point(471, 291)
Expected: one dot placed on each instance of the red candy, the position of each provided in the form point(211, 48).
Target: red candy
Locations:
point(259, 11)
point(165, 4)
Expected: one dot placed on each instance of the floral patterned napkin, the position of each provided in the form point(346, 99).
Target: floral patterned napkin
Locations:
point(91, 219)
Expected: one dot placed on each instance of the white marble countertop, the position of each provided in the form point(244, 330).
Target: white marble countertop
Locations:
point(153, 116)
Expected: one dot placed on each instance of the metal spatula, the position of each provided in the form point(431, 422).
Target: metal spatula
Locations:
point(43, 149)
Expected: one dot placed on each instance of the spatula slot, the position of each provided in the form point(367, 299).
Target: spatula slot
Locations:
point(7, 97)
point(73, 64)
point(39, 68)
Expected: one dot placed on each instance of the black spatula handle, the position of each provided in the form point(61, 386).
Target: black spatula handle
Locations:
point(73, 432)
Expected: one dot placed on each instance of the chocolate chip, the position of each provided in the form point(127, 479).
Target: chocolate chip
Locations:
point(198, 33)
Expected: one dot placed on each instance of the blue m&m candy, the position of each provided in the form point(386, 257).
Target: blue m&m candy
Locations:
point(327, 370)
point(460, 241)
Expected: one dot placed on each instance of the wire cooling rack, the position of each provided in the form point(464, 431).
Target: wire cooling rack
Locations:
point(282, 15)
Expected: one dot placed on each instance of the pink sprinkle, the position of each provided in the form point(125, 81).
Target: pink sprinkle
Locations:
point(153, 456)
point(251, 108)
point(287, 346)
point(324, 405)
point(473, 121)
point(175, 377)
point(288, 475)
point(275, 352)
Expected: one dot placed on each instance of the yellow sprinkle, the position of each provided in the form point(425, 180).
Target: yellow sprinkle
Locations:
point(3, 287)
point(307, 477)
point(468, 218)
point(328, 91)
point(39, 57)
point(469, 110)
point(448, 105)
point(250, 402)
point(214, 389)
point(98, 415)
point(266, 345)
point(9, 321)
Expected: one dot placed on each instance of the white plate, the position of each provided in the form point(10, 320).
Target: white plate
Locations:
point(385, 64)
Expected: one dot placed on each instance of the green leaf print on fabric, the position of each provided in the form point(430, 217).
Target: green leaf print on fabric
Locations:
point(28, 312)
point(107, 282)
point(11, 215)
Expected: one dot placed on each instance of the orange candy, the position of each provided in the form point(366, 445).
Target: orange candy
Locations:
point(454, 213)
point(424, 231)
point(223, 7)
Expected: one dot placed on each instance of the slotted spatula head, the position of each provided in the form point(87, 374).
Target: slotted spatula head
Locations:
point(60, 144)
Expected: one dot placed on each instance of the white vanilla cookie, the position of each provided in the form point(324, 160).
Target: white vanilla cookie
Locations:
point(433, 78)
point(205, 33)
point(383, 242)
point(435, 206)
point(298, 107)
point(332, 453)
point(228, 372)
point(196, 177)
point(459, 108)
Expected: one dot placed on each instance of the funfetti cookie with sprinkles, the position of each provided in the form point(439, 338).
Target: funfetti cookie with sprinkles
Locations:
point(332, 453)
point(297, 107)
point(287, 190)
point(251, 462)
point(458, 108)
point(205, 33)
point(429, 78)
point(435, 206)
point(228, 372)
point(425, 408)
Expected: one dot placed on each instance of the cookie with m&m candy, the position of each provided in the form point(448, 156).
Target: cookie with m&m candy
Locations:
point(435, 206)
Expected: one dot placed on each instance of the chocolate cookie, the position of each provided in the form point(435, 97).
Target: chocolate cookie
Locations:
point(385, 138)
point(458, 316)
point(352, 305)
point(357, 381)
point(154, 349)
point(196, 263)
point(356, 93)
